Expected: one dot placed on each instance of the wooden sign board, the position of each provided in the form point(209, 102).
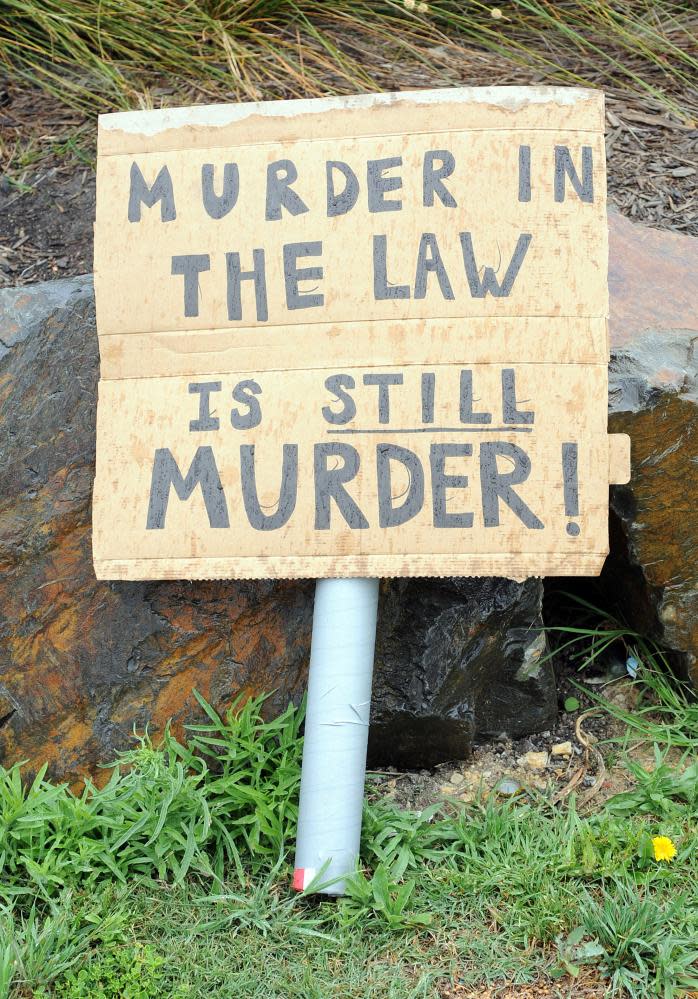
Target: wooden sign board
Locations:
point(359, 336)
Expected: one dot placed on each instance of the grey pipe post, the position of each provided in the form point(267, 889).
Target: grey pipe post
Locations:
point(336, 731)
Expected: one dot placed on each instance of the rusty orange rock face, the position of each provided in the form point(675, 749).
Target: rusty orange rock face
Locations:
point(661, 516)
point(84, 662)
point(653, 569)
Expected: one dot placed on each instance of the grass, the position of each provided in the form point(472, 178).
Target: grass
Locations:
point(94, 55)
point(666, 711)
point(174, 879)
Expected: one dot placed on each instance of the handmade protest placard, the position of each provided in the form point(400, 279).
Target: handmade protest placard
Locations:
point(358, 336)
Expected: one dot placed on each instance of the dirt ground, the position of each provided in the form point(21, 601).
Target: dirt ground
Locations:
point(579, 754)
point(586, 986)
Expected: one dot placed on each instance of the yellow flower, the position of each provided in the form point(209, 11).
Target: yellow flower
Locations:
point(664, 849)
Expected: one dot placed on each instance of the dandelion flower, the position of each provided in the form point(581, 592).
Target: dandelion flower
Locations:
point(664, 849)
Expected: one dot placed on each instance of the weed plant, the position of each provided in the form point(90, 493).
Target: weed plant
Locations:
point(164, 812)
point(666, 711)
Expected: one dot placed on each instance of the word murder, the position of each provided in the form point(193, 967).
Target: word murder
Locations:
point(336, 464)
point(283, 197)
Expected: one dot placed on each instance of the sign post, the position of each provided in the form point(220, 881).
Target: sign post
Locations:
point(336, 732)
point(352, 338)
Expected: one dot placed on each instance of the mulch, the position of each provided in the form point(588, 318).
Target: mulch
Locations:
point(46, 206)
point(652, 167)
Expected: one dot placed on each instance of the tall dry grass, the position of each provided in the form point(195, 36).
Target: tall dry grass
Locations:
point(105, 54)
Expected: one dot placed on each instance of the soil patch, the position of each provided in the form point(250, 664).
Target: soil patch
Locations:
point(553, 763)
point(47, 232)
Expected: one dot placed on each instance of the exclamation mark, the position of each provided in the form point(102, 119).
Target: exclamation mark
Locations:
point(571, 486)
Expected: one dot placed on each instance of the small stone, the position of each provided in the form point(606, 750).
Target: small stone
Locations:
point(456, 778)
point(507, 787)
point(562, 749)
point(447, 789)
point(536, 761)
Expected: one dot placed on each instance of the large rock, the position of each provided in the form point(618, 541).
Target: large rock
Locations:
point(458, 658)
point(653, 396)
point(82, 662)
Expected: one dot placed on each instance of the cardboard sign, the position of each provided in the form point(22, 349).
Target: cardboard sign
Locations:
point(355, 336)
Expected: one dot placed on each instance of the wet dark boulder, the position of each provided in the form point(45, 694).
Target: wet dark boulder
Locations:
point(457, 659)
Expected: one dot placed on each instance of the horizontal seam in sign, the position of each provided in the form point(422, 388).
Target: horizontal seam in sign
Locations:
point(333, 138)
point(442, 556)
point(358, 367)
point(331, 323)
point(348, 322)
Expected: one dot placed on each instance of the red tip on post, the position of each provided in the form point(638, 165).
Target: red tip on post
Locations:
point(298, 879)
